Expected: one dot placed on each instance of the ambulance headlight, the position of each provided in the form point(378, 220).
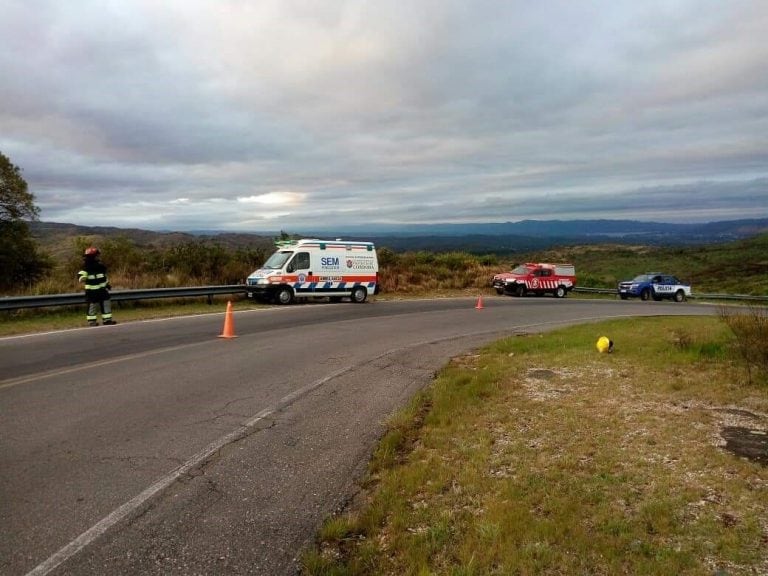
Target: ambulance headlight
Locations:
point(262, 281)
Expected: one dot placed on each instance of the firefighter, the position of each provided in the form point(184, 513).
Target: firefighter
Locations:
point(94, 277)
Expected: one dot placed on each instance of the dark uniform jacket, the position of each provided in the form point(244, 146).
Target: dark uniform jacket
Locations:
point(94, 276)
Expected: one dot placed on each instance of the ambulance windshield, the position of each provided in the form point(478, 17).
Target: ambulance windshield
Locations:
point(276, 261)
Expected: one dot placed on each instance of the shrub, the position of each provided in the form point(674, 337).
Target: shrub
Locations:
point(750, 327)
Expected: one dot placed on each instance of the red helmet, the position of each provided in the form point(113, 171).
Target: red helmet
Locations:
point(92, 251)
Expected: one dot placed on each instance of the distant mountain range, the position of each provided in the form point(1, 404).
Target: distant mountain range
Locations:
point(528, 235)
point(568, 228)
point(503, 237)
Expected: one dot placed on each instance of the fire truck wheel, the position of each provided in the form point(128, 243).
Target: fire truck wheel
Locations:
point(679, 296)
point(359, 294)
point(560, 292)
point(520, 290)
point(284, 295)
point(645, 294)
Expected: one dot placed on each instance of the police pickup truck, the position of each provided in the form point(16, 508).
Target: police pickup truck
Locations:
point(654, 285)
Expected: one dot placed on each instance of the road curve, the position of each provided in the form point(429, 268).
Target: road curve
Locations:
point(159, 448)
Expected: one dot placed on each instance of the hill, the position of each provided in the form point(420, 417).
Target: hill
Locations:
point(57, 238)
point(738, 267)
point(538, 233)
point(501, 238)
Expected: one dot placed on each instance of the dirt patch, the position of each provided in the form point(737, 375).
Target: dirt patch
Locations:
point(748, 443)
point(542, 374)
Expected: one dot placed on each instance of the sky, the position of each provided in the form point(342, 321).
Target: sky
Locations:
point(265, 115)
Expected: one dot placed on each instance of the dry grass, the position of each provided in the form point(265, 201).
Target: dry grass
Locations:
point(750, 327)
point(540, 456)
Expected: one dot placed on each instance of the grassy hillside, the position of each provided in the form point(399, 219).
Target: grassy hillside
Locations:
point(537, 455)
point(735, 267)
point(141, 259)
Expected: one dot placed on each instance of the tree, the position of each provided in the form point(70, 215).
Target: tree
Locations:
point(16, 202)
point(20, 263)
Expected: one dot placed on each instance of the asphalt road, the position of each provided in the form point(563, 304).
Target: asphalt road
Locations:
point(159, 448)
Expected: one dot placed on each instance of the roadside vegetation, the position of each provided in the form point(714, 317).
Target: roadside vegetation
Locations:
point(739, 267)
point(539, 455)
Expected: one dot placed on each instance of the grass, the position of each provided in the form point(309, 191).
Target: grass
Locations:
point(739, 267)
point(538, 455)
point(49, 319)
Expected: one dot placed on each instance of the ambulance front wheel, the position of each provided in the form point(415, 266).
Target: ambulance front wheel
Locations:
point(359, 294)
point(284, 295)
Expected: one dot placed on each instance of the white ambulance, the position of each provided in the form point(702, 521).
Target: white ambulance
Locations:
point(312, 268)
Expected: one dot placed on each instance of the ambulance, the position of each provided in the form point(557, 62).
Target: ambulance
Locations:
point(311, 268)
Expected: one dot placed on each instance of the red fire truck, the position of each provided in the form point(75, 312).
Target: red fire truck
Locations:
point(537, 278)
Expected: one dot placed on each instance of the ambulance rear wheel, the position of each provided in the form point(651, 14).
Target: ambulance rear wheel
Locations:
point(359, 294)
point(284, 295)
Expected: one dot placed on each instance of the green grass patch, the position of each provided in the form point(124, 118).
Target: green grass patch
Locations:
point(539, 455)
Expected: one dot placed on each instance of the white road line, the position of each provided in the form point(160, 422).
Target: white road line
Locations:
point(135, 503)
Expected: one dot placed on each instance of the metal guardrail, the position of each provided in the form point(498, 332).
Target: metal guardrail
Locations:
point(694, 296)
point(20, 302)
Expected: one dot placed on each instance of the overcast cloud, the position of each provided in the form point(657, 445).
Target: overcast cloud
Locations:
point(294, 114)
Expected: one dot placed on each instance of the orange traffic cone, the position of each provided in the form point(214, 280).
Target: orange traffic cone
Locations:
point(229, 323)
point(479, 305)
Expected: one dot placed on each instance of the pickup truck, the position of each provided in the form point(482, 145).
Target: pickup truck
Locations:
point(536, 278)
point(654, 285)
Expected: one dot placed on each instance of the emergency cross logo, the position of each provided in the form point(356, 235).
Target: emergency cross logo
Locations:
point(350, 263)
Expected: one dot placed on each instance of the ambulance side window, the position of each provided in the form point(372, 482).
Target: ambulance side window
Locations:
point(299, 262)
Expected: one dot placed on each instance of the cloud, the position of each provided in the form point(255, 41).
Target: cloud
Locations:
point(300, 113)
